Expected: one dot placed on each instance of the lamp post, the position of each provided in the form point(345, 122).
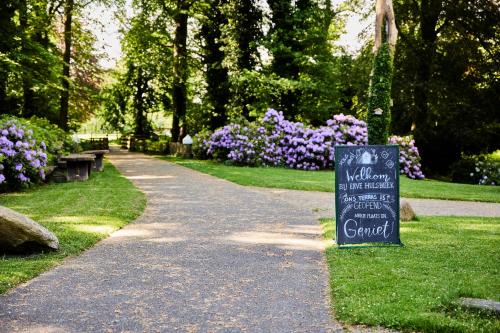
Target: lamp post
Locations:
point(187, 142)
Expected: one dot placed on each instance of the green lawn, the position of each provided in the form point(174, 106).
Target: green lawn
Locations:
point(80, 214)
point(415, 287)
point(324, 181)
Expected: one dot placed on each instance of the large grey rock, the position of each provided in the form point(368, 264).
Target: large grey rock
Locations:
point(19, 234)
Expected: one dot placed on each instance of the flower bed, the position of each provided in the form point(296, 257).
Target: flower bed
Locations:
point(409, 158)
point(22, 159)
point(275, 141)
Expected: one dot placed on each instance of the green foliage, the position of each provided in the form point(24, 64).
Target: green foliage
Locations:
point(380, 97)
point(86, 75)
point(446, 82)
point(324, 181)
point(158, 146)
point(79, 213)
point(477, 169)
point(303, 65)
point(216, 74)
point(242, 35)
point(31, 62)
point(415, 287)
point(224, 76)
point(199, 147)
point(142, 84)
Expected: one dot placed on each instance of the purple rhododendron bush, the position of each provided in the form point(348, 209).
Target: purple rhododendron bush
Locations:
point(275, 141)
point(409, 158)
point(22, 158)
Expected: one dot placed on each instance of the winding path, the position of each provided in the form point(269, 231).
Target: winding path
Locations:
point(206, 256)
point(323, 204)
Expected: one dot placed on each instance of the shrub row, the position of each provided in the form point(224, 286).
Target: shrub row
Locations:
point(275, 141)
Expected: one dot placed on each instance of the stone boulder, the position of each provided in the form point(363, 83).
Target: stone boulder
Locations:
point(406, 212)
point(20, 234)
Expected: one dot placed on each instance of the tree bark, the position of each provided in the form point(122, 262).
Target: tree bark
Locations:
point(385, 10)
point(422, 122)
point(248, 32)
point(179, 71)
point(217, 77)
point(28, 96)
point(139, 104)
point(63, 112)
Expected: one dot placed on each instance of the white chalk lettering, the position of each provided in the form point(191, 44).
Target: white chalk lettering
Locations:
point(368, 205)
point(353, 230)
point(364, 174)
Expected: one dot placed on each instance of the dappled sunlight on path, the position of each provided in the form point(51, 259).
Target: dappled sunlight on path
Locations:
point(206, 256)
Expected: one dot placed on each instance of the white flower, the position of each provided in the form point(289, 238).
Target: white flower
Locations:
point(477, 169)
point(472, 174)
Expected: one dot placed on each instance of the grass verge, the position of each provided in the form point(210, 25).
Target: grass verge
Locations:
point(324, 181)
point(79, 213)
point(415, 287)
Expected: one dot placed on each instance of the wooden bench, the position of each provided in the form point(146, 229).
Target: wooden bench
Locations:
point(78, 166)
point(98, 164)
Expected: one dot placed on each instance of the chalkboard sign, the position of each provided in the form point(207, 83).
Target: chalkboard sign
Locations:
point(367, 194)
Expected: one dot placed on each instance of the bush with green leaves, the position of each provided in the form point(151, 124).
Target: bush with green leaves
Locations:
point(159, 146)
point(477, 169)
point(380, 97)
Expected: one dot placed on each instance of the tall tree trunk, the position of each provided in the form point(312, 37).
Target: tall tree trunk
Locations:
point(63, 112)
point(248, 32)
point(384, 11)
point(286, 44)
point(422, 120)
point(216, 75)
point(139, 104)
point(179, 71)
point(379, 104)
point(7, 45)
point(28, 95)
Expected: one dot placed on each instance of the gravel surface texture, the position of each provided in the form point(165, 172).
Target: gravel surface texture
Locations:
point(323, 204)
point(206, 256)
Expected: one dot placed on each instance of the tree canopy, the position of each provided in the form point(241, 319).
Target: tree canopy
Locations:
point(202, 64)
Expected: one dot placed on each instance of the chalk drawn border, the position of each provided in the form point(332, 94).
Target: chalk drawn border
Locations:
point(337, 197)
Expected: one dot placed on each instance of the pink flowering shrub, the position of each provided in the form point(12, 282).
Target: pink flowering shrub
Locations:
point(22, 159)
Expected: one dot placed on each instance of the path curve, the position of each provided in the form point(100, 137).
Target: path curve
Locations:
point(323, 204)
point(206, 256)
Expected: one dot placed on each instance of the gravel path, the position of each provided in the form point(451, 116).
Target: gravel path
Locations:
point(206, 256)
point(323, 204)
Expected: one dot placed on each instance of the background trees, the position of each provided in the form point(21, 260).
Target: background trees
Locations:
point(202, 64)
point(446, 82)
point(35, 74)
